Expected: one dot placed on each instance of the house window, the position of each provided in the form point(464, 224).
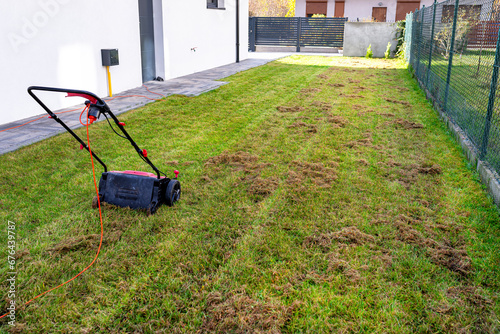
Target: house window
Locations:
point(316, 7)
point(404, 7)
point(339, 8)
point(215, 4)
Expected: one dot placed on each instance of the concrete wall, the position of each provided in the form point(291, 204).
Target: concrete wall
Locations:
point(197, 38)
point(58, 43)
point(359, 35)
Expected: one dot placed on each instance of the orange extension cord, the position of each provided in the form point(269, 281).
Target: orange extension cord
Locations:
point(100, 216)
point(33, 120)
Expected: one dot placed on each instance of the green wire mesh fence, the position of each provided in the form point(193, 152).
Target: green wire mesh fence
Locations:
point(454, 51)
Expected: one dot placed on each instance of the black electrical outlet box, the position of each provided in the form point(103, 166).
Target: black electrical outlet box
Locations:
point(110, 57)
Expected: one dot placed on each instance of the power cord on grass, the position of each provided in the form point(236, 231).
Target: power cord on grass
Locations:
point(100, 217)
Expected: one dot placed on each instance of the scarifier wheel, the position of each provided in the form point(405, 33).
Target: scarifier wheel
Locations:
point(95, 203)
point(173, 192)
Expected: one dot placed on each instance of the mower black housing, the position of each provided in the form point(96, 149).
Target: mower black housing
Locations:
point(133, 191)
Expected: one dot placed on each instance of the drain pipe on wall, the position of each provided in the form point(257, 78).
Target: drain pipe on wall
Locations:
point(237, 31)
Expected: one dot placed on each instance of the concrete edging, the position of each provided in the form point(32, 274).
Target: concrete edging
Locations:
point(488, 176)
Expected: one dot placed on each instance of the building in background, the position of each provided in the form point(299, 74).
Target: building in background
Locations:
point(58, 43)
point(360, 10)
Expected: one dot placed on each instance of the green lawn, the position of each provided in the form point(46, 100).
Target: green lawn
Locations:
point(319, 195)
point(470, 75)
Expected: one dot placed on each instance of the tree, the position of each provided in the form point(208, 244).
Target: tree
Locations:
point(283, 8)
point(463, 26)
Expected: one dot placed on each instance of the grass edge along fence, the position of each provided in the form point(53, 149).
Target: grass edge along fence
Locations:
point(453, 48)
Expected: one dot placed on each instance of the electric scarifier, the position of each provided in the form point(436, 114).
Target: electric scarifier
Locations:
point(134, 189)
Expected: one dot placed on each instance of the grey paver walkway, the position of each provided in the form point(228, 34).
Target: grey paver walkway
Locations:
point(42, 127)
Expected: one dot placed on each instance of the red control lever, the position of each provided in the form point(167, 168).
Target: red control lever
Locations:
point(176, 172)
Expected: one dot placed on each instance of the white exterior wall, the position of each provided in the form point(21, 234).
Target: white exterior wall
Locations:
point(362, 9)
point(197, 38)
point(330, 9)
point(300, 8)
point(58, 43)
point(359, 9)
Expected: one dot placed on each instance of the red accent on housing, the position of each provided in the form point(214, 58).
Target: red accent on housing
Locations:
point(176, 172)
point(50, 116)
point(144, 153)
point(92, 119)
point(121, 123)
point(88, 97)
point(134, 172)
point(81, 146)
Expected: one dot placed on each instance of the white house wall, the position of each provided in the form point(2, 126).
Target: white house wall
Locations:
point(58, 43)
point(362, 9)
point(300, 8)
point(192, 32)
point(358, 10)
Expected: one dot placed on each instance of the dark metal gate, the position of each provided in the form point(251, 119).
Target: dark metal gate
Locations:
point(296, 31)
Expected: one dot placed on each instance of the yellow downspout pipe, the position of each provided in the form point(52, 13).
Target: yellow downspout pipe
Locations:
point(110, 91)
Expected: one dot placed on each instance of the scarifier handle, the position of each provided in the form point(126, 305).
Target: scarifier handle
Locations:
point(85, 96)
point(71, 92)
point(101, 105)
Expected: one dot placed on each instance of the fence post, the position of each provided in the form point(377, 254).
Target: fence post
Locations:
point(491, 100)
point(452, 50)
point(413, 37)
point(251, 38)
point(420, 39)
point(409, 37)
point(299, 30)
point(432, 42)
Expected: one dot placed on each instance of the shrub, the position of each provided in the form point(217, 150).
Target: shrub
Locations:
point(369, 52)
point(400, 37)
point(387, 53)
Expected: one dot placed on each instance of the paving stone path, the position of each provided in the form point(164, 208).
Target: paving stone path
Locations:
point(42, 127)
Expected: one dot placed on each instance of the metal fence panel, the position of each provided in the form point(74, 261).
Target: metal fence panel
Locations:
point(296, 31)
point(452, 47)
point(279, 31)
point(328, 32)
